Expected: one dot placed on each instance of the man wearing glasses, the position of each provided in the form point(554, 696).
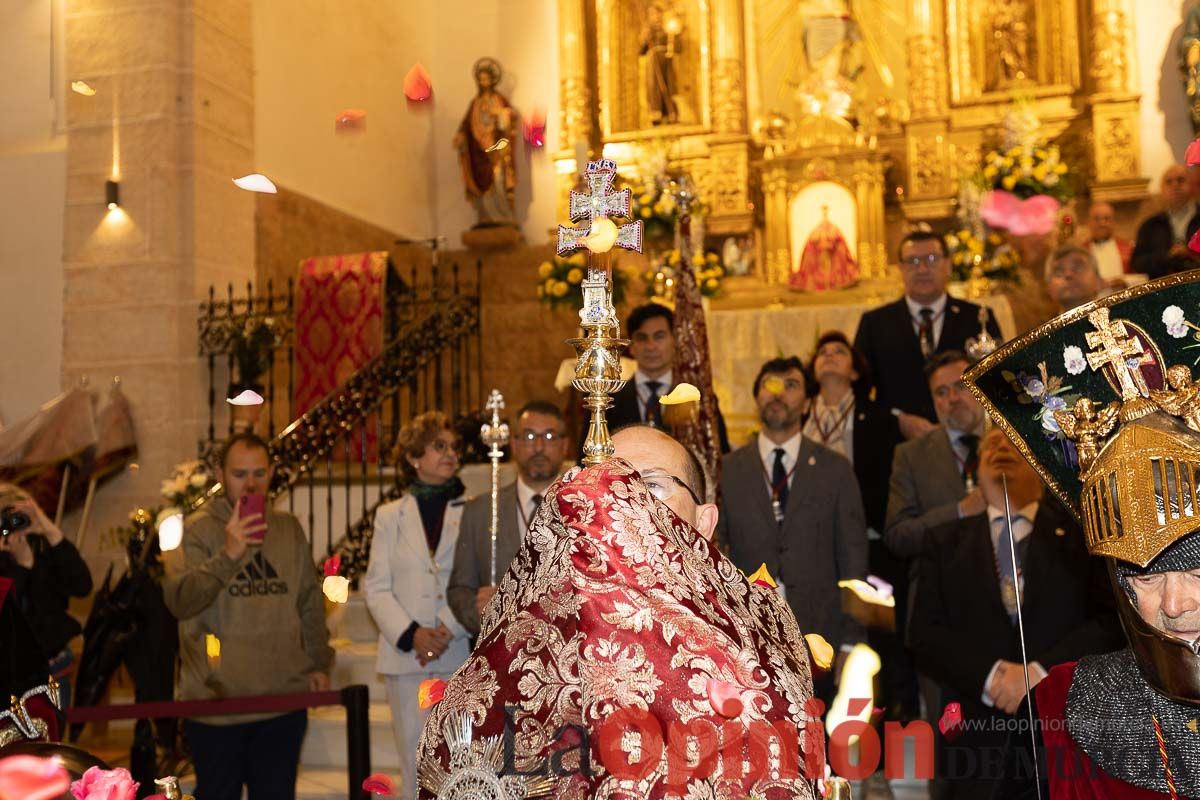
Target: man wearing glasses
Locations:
point(900, 337)
point(795, 506)
point(538, 444)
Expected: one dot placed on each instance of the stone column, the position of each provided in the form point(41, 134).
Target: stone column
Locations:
point(173, 121)
point(930, 182)
point(1114, 101)
point(728, 81)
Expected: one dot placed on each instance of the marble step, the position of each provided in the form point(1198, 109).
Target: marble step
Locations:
point(325, 742)
point(355, 663)
point(352, 620)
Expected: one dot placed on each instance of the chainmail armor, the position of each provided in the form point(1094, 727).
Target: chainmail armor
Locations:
point(1109, 709)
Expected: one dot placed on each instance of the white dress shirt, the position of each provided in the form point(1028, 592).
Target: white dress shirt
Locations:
point(1179, 222)
point(1022, 527)
point(526, 507)
point(791, 452)
point(643, 391)
point(1108, 257)
point(939, 315)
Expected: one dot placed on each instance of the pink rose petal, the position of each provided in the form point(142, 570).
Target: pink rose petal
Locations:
point(951, 723)
point(32, 778)
point(333, 565)
point(725, 698)
point(1033, 217)
point(1194, 244)
point(1192, 156)
point(417, 85)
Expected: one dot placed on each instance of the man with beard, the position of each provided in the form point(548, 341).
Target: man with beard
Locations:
point(1118, 440)
point(794, 505)
point(538, 443)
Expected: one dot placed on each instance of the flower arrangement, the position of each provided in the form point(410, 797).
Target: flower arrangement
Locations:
point(655, 207)
point(560, 282)
point(188, 482)
point(973, 256)
point(660, 278)
point(1029, 170)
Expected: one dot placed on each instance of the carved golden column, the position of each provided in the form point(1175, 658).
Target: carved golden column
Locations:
point(573, 68)
point(775, 197)
point(728, 81)
point(1114, 100)
point(930, 187)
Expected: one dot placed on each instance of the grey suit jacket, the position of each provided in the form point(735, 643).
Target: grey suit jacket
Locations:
point(923, 493)
point(823, 538)
point(473, 555)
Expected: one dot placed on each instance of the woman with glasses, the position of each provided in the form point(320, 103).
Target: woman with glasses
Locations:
point(412, 554)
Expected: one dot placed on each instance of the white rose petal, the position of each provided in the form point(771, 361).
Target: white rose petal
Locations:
point(336, 588)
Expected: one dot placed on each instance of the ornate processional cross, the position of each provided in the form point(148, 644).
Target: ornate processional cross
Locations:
point(1115, 349)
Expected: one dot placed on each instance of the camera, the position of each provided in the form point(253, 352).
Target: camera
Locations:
point(12, 520)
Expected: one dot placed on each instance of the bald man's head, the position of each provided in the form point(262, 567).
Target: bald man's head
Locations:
point(671, 472)
point(1175, 187)
point(1101, 220)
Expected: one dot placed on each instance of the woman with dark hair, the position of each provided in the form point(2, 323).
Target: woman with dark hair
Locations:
point(844, 418)
point(412, 554)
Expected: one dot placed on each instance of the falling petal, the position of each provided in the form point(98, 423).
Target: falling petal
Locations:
point(725, 698)
point(32, 778)
point(430, 692)
point(1192, 156)
point(379, 784)
point(255, 182)
point(500, 144)
point(951, 723)
point(821, 650)
point(246, 398)
point(170, 532)
point(417, 86)
point(336, 588)
point(762, 577)
point(602, 235)
point(83, 87)
point(1194, 243)
point(535, 128)
point(683, 393)
point(351, 119)
point(333, 565)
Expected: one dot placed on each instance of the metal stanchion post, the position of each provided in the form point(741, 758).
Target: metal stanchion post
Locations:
point(355, 699)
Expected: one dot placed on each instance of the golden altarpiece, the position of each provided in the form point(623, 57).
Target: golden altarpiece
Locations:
point(877, 103)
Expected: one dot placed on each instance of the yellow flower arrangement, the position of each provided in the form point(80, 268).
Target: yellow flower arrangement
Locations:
point(1028, 171)
point(987, 257)
point(661, 277)
point(559, 282)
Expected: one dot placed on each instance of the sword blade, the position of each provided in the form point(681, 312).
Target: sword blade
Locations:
point(1012, 552)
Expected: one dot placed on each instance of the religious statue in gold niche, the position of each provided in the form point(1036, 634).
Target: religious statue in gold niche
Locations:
point(826, 262)
point(1008, 51)
point(485, 149)
point(660, 44)
point(1189, 53)
point(833, 57)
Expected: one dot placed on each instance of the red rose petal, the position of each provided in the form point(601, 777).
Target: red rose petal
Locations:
point(951, 723)
point(1194, 244)
point(333, 565)
point(32, 778)
point(379, 784)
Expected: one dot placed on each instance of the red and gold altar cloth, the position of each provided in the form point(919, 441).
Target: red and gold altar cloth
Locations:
point(625, 657)
point(340, 315)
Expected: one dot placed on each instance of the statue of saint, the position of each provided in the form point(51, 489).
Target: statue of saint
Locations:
point(485, 149)
point(1189, 62)
point(1009, 52)
point(826, 262)
point(834, 58)
point(660, 43)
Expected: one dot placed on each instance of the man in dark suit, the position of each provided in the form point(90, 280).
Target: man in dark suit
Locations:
point(651, 331)
point(794, 506)
point(1162, 239)
point(900, 337)
point(964, 629)
point(538, 443)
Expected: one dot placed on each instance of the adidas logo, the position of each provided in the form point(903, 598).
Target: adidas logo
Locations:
point(258, 577)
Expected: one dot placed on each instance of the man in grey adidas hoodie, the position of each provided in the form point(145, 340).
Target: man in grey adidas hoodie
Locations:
point(251, 622)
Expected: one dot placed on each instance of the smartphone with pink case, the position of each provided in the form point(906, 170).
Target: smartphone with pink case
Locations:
point(250, 505)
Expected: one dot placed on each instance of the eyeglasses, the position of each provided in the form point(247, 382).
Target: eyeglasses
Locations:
point(444, 445)
point(662, 486)
point(549, 437)
point(928, 260)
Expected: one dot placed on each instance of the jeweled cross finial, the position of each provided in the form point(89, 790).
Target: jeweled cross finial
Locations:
point(1115, 347)
point(600, 201)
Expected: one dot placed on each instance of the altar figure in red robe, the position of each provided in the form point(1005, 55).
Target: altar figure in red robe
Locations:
point(826, 262)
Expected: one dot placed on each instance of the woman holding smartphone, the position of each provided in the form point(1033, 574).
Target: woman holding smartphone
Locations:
point(412, 554)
